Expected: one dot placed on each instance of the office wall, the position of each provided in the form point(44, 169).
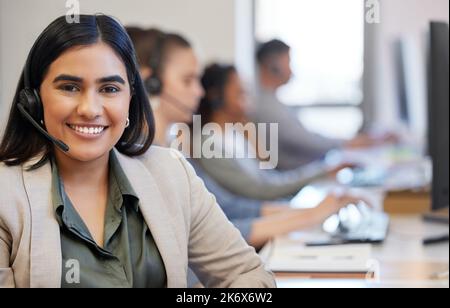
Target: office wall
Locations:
point(210, 25)
point(2, 71)
point(399, 18)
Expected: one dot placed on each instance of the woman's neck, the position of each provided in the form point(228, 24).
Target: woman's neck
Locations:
point(83, 175)
point(162, 125)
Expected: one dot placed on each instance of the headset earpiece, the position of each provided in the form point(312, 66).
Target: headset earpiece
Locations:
point(29, 97)
point(153, 85)
point(275, 70)
point(31, 101)
point(216, 104)
point(215, 99)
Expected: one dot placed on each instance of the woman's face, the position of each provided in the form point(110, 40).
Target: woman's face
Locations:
point(86, 97)
point(182, 90)
point(235, 96)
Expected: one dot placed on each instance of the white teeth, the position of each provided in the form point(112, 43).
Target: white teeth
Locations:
point(87, 130)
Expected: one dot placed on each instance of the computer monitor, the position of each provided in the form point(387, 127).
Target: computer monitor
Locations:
point(438, 105)
point(401, 71)
point(411, 85)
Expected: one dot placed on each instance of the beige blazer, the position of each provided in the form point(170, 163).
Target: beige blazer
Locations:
point(182, 215)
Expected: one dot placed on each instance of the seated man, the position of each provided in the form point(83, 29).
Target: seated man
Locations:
point(297, 145)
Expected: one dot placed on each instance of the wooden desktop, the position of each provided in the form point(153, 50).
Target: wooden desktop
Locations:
point(403, 259)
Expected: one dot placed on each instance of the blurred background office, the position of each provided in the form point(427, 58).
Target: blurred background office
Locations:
point(345, 70)
point(357, 66)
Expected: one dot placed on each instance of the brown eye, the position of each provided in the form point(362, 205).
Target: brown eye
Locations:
point(69, 88)
point(110, 90)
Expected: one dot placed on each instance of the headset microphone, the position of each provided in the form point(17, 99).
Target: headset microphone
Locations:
point(178, 104)
point(64, 147)
point(30, 105)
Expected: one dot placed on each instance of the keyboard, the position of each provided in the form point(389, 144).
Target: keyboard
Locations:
point(355, 224)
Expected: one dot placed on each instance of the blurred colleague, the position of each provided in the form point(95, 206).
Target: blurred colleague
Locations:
point(258, 221)
point(170, 71)
point(237, 168)
point(85, 200)
point(297, 145)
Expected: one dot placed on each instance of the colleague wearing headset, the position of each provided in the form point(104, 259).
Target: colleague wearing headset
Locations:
point(82, 191)
point(298, 145)
point(154, 49)
point(225, 101)
point(258, 221)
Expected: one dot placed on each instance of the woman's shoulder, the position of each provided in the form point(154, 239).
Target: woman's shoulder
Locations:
point(171, 172)
point(9, 174)
point(164, 162)
point(161, 157)
point(11, 187)
point(164, 153)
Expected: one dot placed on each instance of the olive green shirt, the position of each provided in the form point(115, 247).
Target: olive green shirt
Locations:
point(129, 258)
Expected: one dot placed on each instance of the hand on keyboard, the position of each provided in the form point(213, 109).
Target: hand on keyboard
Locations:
point(334, 202)
point(358, 224)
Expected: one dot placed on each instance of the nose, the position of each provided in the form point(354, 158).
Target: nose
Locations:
point(90, 106)
point(198, 90)
point(290, 71)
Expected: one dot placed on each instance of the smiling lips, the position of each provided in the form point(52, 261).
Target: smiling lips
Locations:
point(88, 129)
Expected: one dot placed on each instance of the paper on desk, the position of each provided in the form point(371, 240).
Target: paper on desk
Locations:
point(285, 255)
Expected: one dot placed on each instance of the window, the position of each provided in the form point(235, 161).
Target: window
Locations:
point(327, 41)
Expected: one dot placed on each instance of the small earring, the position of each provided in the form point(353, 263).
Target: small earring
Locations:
point(127, 123)
point(42, 122)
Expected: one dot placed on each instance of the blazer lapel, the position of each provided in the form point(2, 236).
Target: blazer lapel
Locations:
point(158, 219)
point(45, 254)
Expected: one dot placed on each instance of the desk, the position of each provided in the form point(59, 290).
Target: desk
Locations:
point(404, 261)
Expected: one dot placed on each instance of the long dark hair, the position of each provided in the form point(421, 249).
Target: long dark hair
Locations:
point(214, 80)
point(22, 141)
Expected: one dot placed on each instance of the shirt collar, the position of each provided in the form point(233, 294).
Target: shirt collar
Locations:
point(119, 188)
point(57, 195)
point(123, 184)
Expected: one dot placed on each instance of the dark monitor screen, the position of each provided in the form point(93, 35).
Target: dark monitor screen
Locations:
point(410, 85)
point(438, 105)
point(400, 71)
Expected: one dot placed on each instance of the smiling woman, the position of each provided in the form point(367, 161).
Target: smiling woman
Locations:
point(81, 187)
point(53, 73)
point(86, 97)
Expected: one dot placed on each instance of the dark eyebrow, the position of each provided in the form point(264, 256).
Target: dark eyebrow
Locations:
point(64, 77)
point(115, 78)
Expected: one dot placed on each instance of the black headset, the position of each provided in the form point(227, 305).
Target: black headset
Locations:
point(275, 69)
point(30, 105)
point(218, 101)
point(29, 97)
point(153, 84)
